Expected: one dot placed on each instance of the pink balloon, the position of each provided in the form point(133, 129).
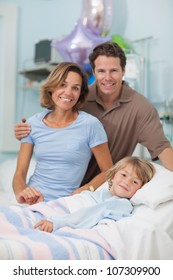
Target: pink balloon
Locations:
point(78, 44)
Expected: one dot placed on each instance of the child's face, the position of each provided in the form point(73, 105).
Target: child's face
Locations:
point(125, 183)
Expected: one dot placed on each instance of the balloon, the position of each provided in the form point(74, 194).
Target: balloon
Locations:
point(78, 44)
point(90, 30)
point(123, 43)
point(97, 16)
point(88, 70)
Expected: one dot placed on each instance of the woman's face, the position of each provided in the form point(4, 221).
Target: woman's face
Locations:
point(67, 94)
point(125, 182)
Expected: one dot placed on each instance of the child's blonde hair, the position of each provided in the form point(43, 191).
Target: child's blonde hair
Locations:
point(143, 168)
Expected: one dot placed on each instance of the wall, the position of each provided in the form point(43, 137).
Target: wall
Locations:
point(37, 19)
point(133, 19)
point(153, 18)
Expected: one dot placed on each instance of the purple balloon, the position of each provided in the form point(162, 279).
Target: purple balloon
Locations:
point(78, 44)
point(97, 16)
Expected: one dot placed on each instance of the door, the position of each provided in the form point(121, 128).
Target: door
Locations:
point(8, 38)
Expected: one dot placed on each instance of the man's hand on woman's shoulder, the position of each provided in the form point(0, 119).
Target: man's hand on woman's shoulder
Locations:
point(22, 129)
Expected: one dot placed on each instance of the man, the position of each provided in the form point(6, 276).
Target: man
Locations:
point(126, 115)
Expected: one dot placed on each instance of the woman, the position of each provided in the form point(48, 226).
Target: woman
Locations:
point(63, 138)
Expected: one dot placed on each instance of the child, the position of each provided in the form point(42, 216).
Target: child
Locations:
point(124, 179)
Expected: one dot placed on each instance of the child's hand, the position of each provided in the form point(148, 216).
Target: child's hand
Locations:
point(44, 225)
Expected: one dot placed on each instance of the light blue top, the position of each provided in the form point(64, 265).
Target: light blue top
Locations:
point(104, 206)
point(62, 154)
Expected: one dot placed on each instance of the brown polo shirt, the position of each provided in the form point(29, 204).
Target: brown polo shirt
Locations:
point(129, 121)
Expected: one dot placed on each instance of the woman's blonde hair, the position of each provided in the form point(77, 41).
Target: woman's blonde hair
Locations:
point(56, 78)
point(143, 168)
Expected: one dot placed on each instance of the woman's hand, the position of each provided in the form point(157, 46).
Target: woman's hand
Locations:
point(44, 225)
point(29, 196)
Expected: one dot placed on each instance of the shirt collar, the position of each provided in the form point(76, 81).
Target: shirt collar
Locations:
point(124, 97)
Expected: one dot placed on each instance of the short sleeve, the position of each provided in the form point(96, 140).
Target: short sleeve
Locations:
point(96, 132)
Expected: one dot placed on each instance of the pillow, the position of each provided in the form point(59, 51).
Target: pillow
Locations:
point(158, 167)
point(158, 190)
point(7, 169)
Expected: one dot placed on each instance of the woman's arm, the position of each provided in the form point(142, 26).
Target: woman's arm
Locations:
point(22, 192)
point(104, 161)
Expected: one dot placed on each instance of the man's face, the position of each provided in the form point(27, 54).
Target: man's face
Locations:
point(108, 74)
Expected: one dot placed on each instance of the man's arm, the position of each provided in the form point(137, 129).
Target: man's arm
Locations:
point(22, 129)
point(166, 158)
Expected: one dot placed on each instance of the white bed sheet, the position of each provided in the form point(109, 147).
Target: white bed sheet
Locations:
point(7, 169)
point(7, 198)
point(148, 234)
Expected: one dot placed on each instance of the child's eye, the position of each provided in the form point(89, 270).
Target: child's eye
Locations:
point(136, 182)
